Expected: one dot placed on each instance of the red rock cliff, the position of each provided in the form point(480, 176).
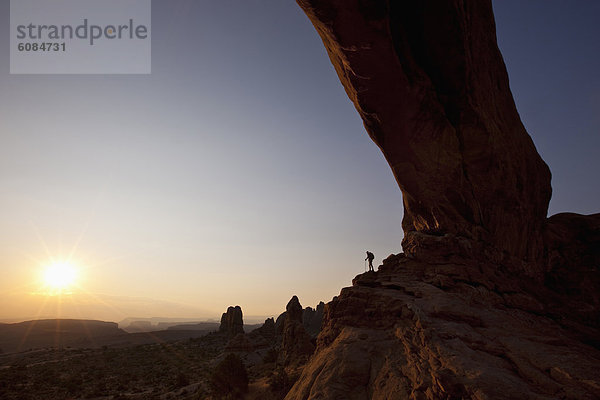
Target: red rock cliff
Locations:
point(430, 84)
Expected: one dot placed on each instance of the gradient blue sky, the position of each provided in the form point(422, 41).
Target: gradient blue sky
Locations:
point(239, 172)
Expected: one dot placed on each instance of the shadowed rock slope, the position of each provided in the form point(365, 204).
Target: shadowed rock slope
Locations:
point(490, 299)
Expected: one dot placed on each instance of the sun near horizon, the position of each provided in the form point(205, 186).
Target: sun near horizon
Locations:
point(59, 276)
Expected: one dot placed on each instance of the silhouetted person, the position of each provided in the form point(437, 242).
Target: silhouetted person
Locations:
point(370, 257)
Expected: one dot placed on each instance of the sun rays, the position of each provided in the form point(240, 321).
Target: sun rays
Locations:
point(59, 277)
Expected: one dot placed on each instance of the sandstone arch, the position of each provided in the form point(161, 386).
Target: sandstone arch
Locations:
point(490, 298)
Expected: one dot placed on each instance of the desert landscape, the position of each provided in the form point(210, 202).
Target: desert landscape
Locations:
point(97, 360)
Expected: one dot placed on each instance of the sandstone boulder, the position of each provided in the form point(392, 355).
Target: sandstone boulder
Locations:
point(232, 322)
point(296, 344)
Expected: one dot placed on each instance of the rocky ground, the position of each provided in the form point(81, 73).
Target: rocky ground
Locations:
point(159, 371)
point(418, 331)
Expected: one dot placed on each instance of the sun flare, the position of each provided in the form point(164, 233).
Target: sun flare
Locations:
point(59, 276)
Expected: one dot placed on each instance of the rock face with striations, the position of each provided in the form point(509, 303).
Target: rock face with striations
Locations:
point(490, 299)
point(232, 322)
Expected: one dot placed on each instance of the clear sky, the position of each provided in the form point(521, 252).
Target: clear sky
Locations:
point(238, 172)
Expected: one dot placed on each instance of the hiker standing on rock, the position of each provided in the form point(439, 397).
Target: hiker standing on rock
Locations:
point(370, 257)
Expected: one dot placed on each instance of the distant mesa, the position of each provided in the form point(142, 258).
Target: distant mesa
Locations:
point(76, 333)
point(131, 325)
point(56, 333)
point(159, 324)
point(140, 326)
point(200, 326)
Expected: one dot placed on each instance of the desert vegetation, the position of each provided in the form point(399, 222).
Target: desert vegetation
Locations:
point(169, 370)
